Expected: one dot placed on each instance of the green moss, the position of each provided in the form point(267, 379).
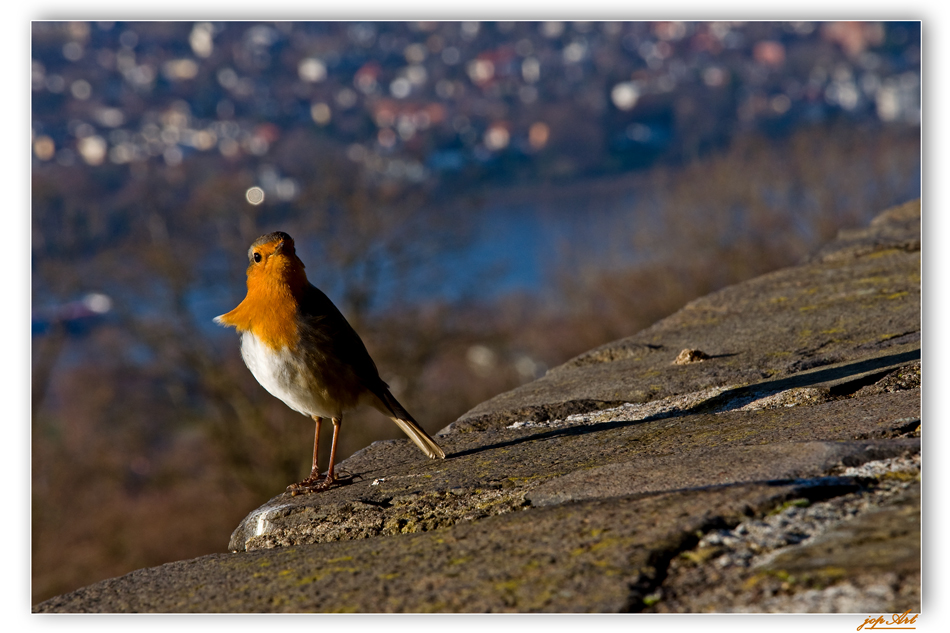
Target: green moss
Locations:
point(876, 281)
point(794, 503)
point(608, 567)
point(829, 574)
point(524, 480)
point(507, 586)
point(885, 253)
point(782, 575)
point(754, 580)
point(324, 573)
point(700, 555)
point(899, 475)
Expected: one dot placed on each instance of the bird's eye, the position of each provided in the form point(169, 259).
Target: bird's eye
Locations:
point(257, 257)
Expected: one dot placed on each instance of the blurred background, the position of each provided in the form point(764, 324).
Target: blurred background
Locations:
point(483, 201)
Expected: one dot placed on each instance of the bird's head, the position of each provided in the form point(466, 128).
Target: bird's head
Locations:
point(275, 281)
point(272, 259)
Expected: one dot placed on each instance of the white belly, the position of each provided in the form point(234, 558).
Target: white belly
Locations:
point(284, 377)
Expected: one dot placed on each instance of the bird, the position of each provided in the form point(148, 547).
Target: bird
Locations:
point(301, 349)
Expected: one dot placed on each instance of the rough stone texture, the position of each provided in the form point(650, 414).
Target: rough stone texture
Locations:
point(587, 558)
point(746, 463)
point(857, 553)
point(778, 473)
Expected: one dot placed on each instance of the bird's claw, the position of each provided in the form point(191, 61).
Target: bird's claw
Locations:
point(313, 483)
point(319, 483)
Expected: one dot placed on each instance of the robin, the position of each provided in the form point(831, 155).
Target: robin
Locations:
point(301, 349)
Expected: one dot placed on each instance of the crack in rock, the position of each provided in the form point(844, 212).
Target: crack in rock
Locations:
point(628, 412)
point(743, 568)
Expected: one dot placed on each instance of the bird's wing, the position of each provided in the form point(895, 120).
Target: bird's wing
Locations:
point(329, 330)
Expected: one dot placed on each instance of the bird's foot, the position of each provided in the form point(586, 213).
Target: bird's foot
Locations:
point(318, 483)
point(314, 483)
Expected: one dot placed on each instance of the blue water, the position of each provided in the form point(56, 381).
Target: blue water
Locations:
point(522, 246)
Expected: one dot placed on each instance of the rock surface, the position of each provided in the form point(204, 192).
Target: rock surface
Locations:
point(775, 467)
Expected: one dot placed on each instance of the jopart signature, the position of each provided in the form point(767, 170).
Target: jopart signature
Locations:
point(897, 621)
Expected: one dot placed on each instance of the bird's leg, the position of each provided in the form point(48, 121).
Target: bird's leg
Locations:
point(337, 422)
point(314, 483)
point(315, 469)
point(309, 482)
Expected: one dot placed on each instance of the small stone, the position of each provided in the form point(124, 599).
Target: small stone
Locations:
point(688, 356)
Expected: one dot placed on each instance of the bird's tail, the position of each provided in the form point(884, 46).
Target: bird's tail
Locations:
point(409, 426)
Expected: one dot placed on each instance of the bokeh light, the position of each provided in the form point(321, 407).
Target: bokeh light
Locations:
point(254, 195)
point(312, 70)
point(93, 149)
point(44, 147)
point(625, 95)
point(538, 135)
point(320, 112)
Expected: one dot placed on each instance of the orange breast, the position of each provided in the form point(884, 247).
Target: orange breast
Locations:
point(269, 311)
